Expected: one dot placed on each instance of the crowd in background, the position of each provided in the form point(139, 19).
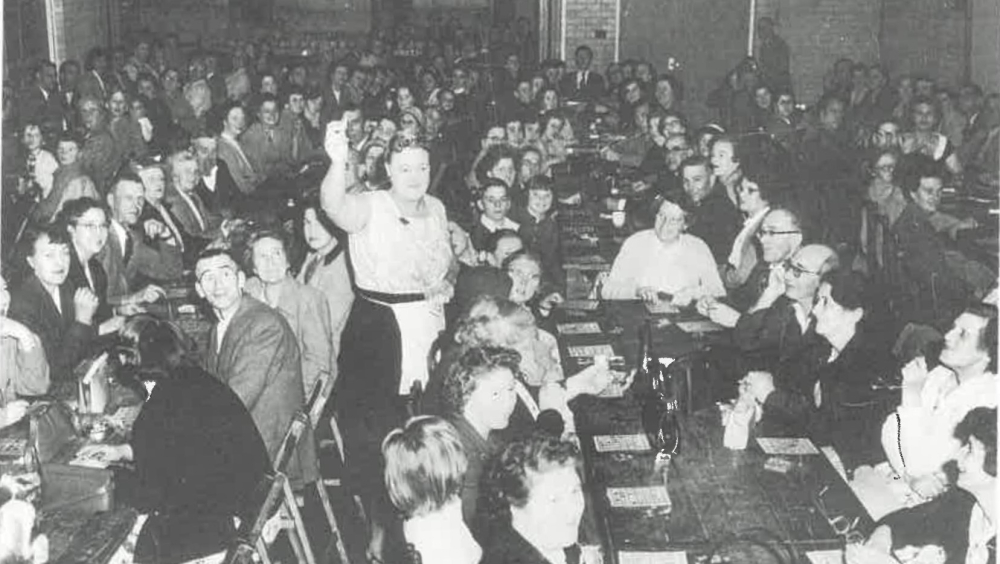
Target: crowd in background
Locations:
point(349, 213)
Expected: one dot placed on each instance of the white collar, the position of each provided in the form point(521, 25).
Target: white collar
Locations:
point(493, 226)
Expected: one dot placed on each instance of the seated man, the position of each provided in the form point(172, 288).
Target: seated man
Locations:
point(98, 155)
point(825, 392)
point(267, 144)
point(136, 254)
point(780, 236)
point(917, 439)
point(253, 350)
point(664, 263)
point(494, 207)
point(778, 326)
point(713, 218)
point(195, 218)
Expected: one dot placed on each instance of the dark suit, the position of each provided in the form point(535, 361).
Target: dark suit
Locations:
point(65, 340)
point(223, 199)
point(576, 88)
point(268, 149)
point(91, 85)
point(77, 278)
point(259, 359)
point(42, 108)
point(772, 335)
point(716, 221)
point(217, 85)
point(198, 458)
point(507, 546)
point(100, 158)
point(157, 261)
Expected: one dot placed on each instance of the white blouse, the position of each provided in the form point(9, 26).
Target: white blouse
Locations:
point(400, 255)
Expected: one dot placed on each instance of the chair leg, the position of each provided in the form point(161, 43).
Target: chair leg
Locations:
point(337, 437)
point(262, 551)
point(300, 540)
point(324, 498)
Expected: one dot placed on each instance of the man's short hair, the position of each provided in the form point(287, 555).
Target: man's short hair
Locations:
point(425, 465)
point(696, 160)
point(213, 252)
point(123, 176)
point(584, 49)
point(915, 167)
point(988, 336)
point(512, 472)
point(473, 364)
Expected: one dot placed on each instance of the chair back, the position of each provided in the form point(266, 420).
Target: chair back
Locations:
point(316, 402)
point(290, 443)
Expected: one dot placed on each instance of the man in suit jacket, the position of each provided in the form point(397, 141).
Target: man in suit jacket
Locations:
point(215, 186)
point(186, 203)
point(69, 78)
point(40, 103)
point(65, 328)
point(253, 350)
point(584, 84)
point(337, 96)
point(779, 326)
point(136, 254)
point(99, 155)
point(268, 146)
point(93, 84)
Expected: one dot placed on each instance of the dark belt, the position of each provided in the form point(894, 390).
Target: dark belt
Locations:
point(385, 298)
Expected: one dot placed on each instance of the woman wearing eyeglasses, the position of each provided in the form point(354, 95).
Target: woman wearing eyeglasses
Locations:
point(758, 189)
point(86, 221)
point(403, 266)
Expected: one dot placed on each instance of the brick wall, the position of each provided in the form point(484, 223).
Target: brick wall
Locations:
point(592, 23)
point(925, 37)
point(79, 26)
point(819, 32)
point(189, 19)
point(986, 44)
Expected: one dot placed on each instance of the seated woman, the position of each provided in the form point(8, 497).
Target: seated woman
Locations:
point(825, 392)
point(538, 478)
point(325, 266)
point(68, 182)
point(958, 526)
point(925, 138)
point(23, 369)
point(478, 396)
point(529, 287)
point(884, 190)
point(496, 321)
point(925, 254)
point(197, 453)
point(304, 307)
point(664, 264)
point(86, 221)
point(425, 465)
point(759, 189)
point(61, 315)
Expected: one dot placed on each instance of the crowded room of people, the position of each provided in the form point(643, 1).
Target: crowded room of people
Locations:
point(499, 282)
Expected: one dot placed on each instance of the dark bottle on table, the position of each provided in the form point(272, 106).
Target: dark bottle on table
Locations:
point(654, 390)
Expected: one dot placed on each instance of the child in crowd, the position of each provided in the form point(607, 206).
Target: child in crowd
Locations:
point(540, 232)
point(494, 207)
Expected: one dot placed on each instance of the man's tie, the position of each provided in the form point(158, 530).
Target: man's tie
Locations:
point(129, 246)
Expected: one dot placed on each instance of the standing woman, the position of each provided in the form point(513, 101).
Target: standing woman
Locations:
point(401, 256)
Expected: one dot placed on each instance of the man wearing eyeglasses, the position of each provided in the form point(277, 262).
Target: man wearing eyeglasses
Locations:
point(253, 350)
point(777, 326)
point(780, 237)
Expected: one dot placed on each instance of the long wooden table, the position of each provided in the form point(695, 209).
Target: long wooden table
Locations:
point(717, 495)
